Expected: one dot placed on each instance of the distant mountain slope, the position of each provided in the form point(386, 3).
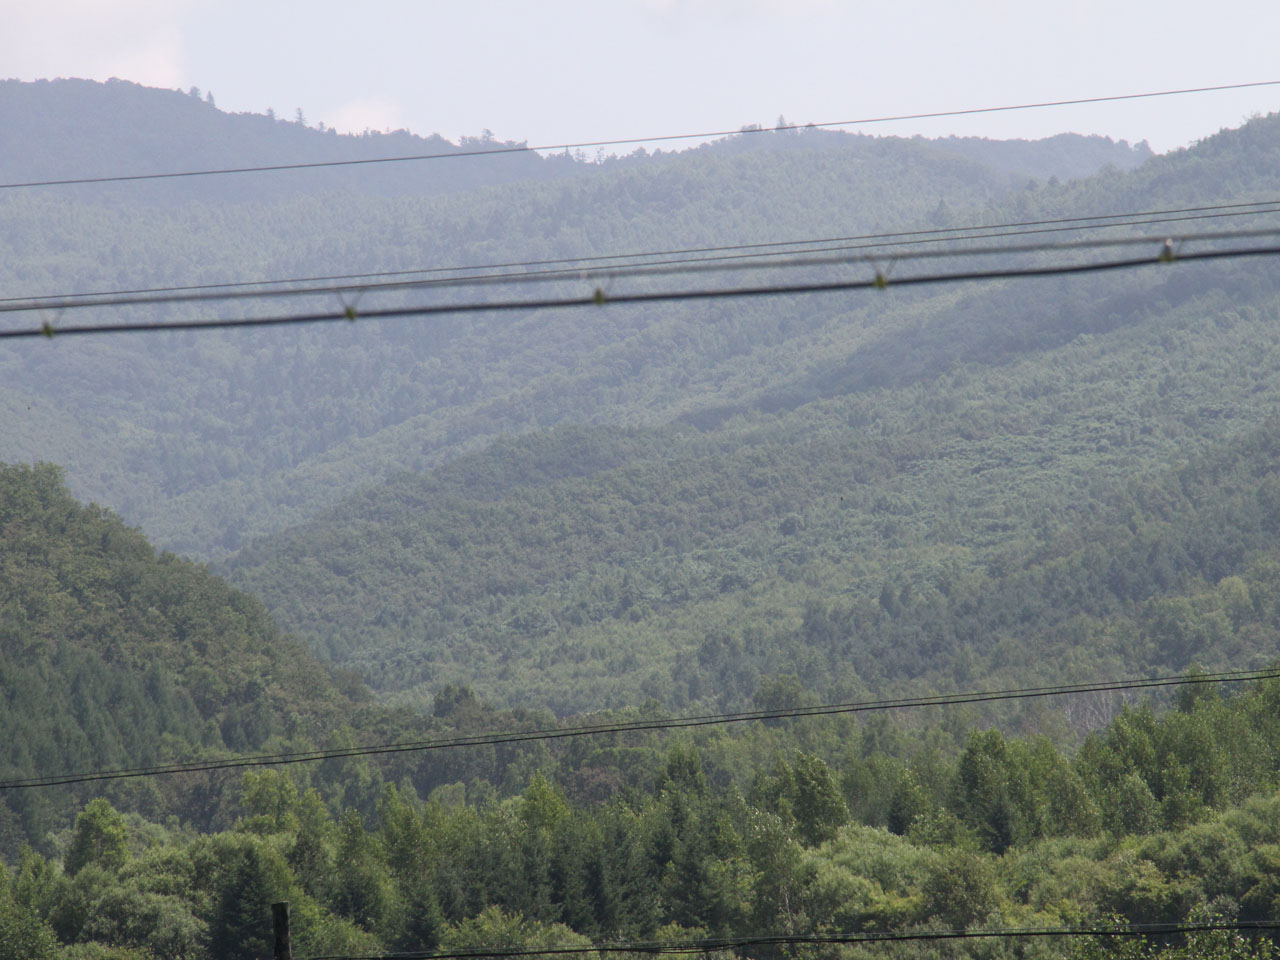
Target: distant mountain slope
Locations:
point(112, 655)
point(868, 542)
point(206, 440)
point(870, 448)
point(1066, 156)
point(71, 129)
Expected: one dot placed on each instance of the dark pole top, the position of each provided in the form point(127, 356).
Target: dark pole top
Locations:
point(280, 920)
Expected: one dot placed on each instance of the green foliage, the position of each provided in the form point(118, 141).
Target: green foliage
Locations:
point(361, 892)
point(700, 598)
point(239, 928)
point(695, 855)
point(100, 951)
point(960, 891)
point(116, 656)
point(1151, 818)
point(139, 909)
point(1205, 945)
point(805, 794)
point(100, 838)
point(270, 799)
point(863, 495)
point(23, 935)
point(494, 928)
point(773, 504)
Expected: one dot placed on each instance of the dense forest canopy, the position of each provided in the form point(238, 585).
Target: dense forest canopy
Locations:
point(501, 527)
point(796, 827)
point(289, 421)
point(850, 504)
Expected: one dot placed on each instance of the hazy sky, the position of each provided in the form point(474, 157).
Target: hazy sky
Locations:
point(551, 71)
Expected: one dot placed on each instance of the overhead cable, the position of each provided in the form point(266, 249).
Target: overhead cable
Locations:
point(752, 260)
point(602, 297)
point(627, 141)
point(581, 730)
point(704, 945)
point(937, 234)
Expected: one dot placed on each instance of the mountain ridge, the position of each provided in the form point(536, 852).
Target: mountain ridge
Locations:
point(277, 439)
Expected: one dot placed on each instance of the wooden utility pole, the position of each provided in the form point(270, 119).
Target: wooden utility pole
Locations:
point(280, 918)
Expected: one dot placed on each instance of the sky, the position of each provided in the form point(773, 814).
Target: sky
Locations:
point(560, 71)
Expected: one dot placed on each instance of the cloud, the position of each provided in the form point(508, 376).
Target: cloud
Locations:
point(139, 40)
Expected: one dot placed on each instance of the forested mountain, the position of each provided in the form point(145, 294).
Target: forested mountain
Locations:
point(827, 452)
point(889, 503)
point(1065, 156)
point(77, 129)
point(798, 827)
point(618, 513)
point(673, 567)
point(205, 440)
point(115, 656)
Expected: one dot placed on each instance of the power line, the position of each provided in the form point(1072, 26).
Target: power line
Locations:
point(626, 141)
point(713, 944)
point(761, 261)
point(937, 233)
point(581, 730)
point(601, 298)
point(751, 259)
